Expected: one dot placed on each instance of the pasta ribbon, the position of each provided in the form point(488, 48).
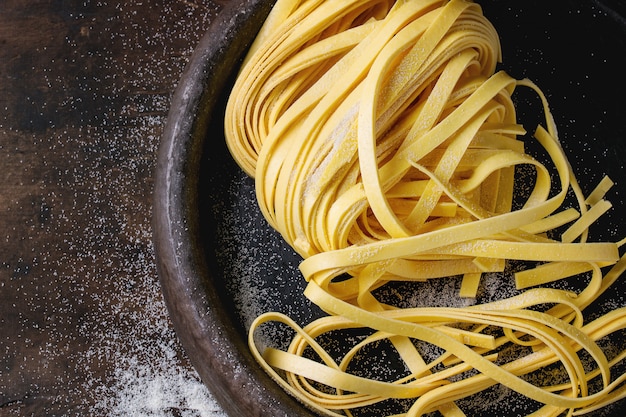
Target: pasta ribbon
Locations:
point(385, 147)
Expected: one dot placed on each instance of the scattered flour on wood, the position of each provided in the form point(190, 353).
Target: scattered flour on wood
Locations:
point(131, 334)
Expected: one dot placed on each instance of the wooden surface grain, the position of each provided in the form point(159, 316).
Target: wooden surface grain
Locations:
point(84, 93)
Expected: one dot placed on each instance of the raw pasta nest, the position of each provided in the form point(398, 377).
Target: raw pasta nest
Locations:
point(384, 145)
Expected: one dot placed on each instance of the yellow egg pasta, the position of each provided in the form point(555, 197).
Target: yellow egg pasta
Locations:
point(384, 143)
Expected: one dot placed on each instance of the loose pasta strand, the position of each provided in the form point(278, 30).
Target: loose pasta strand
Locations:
point(384, 145)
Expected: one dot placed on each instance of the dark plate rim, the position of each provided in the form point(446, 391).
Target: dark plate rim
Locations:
point(208, 335)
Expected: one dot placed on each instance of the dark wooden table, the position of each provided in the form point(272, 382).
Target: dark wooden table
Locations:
point(84, 93)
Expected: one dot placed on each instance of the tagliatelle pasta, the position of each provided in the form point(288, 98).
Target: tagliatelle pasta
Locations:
point(384, 144)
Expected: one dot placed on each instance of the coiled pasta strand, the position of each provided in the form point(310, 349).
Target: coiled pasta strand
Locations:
point(384, 143)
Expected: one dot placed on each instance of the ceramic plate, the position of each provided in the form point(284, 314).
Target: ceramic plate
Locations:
point(220, 265)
